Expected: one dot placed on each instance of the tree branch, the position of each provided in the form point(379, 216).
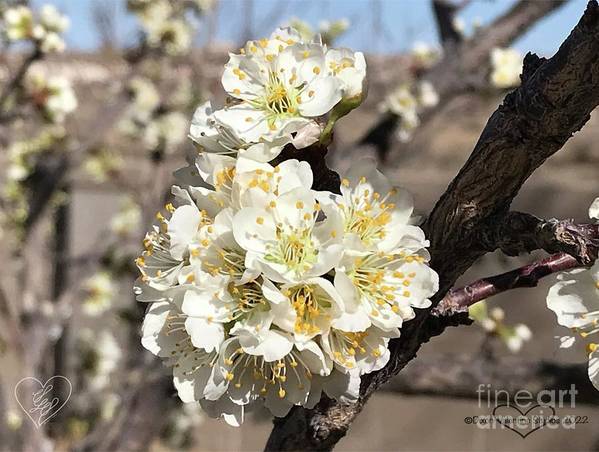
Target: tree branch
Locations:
point(445, 12)
point(466, 66)
point(459, 300)
point(17, 79)
point(459, 376)
point(517, 232)
point(554, 100)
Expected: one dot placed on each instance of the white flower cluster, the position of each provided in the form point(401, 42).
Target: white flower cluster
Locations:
point(165, 24)
point(575, 301)
point(493, 322)
point(506, 67)
point(407, 102)
point(53, 96)
point(45, 30)
point(263, 290)
point(159, 128)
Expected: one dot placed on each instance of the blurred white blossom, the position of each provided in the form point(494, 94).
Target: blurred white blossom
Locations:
point(100, 291)
point(493, 322)
point(506, 67)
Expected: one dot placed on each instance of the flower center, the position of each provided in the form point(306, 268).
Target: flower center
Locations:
point(368, 215)
point(247, 298)
point(295, 250)
point(346, 345)
point(309, 304)
point(378, 285)
point(275, 375)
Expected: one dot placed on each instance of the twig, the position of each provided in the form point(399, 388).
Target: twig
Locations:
point(15, 82)
point(458, 300)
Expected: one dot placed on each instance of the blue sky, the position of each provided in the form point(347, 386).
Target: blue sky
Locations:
point(401, 23)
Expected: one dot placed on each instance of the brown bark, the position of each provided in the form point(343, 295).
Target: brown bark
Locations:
point(554, 101)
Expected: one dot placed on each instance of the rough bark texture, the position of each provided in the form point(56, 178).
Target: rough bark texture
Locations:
point(522, 233)
point(459, 376)
point(554, 101)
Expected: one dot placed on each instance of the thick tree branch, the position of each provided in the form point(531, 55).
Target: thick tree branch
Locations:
point(554, 101)
point(459, 376)
point(517, 232)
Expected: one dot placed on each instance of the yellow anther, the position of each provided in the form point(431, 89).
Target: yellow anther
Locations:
point(229, 376)
point(248, 119)
point(281, 393)
point(272, 204)
point(299, 205)
point(237, 91)
point(592, 347)
point(260, 220)
point(311, 93)
point(345, 183)
point(316, 70)
point(306, 53)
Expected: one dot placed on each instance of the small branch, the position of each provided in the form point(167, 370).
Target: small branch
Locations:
point(459, 376)
point(445, 12)
point(517, 232)
point(16, 81)
point(458, 300)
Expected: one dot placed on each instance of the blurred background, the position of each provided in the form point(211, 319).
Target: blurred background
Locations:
point(96, 97)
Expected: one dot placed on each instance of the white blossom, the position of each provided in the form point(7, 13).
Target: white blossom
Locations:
point(574, 299)
point(506, 67)
point(18, 23)
point(128, 218)
point(53, 95)
point(281, 85)
point(100, 290)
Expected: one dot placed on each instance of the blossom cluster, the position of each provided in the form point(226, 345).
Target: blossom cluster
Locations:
point(262, 290)
point(574, 299)
point(45, 30)
point(493, 323)
point(165, 22)
point(407, 101)
point(53, 95)
point(161, 127)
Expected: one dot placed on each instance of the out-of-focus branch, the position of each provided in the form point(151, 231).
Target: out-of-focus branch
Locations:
point(517, 232)
point(459, 300)
point(460, 376)
point(466, 66)
point(17, 79)
point(554, 101)
point(140, 416)
point(445, 14)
